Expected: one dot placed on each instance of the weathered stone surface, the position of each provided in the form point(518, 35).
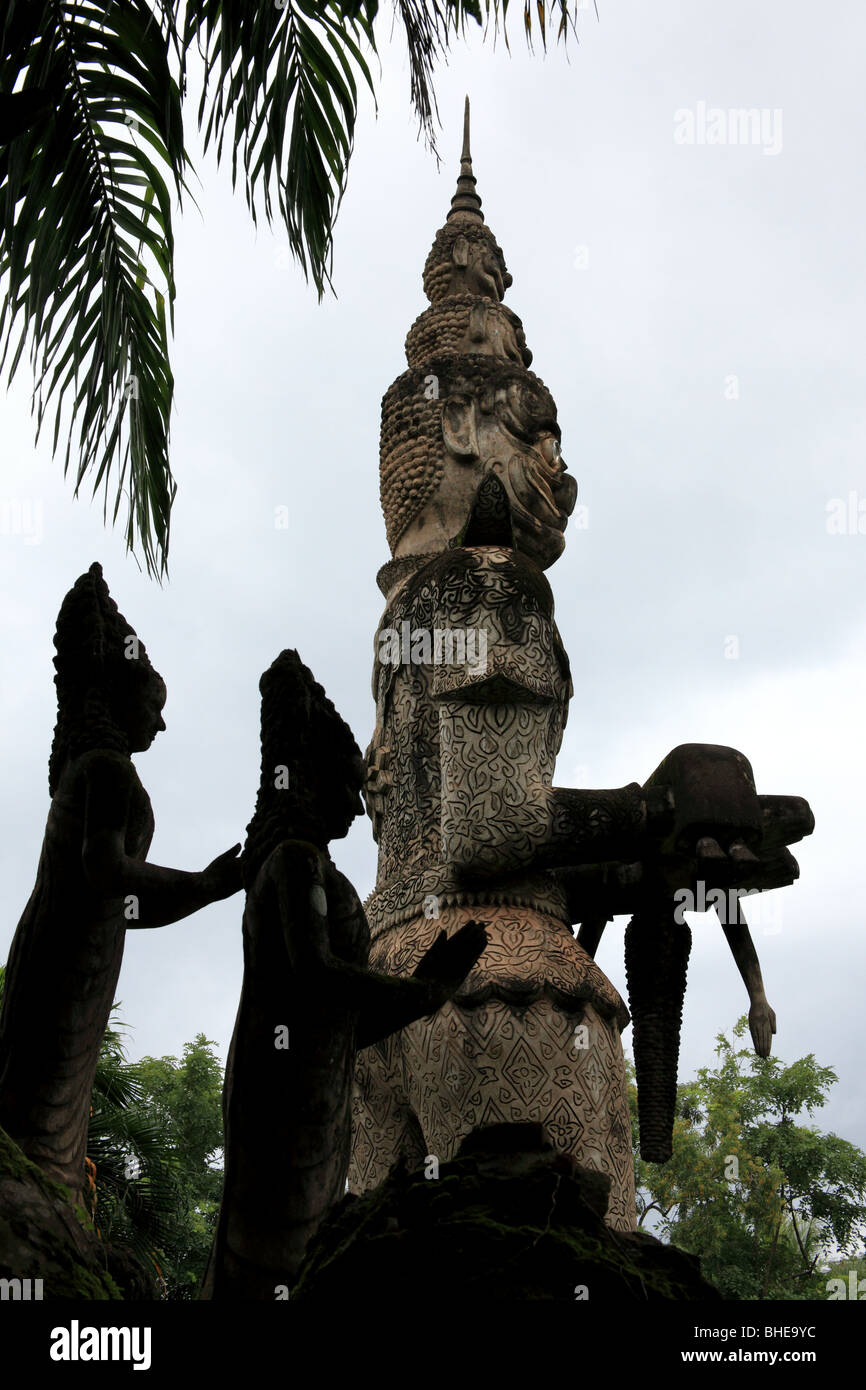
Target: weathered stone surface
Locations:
point(472, 687)
point(42, 1236)
point(508, 1219)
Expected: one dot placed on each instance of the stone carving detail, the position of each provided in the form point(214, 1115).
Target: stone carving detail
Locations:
point(726, 838)
point(465, 259)
point(510, 1219)
point(424, 1089)
point(445, 425)
point(657, 955)
point(476, 497)
point(464, 324)
point(93, 882)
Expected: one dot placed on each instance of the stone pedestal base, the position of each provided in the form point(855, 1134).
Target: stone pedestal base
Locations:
point(509, 1219)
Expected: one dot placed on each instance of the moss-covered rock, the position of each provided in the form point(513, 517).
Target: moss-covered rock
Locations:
point(509, 1219)
point(42, 1236)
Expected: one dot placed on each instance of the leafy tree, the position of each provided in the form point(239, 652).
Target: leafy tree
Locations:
point(92, 153)
point(137, 1194)
point(135, 1190)
point(184, 1097)
point(154, 1144)
point(763, 1200)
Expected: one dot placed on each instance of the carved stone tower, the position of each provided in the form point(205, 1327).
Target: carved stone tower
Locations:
point(472, 685)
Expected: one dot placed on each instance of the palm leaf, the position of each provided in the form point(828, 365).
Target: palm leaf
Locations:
point(91, 139)
point(138, 1191)
point(274, 71)
point(86, 241)
point(494, 15)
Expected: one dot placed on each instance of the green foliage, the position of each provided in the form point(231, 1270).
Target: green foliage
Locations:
point(155, 1142)
point(261, 62)
point(774, 1209)
point(137, 1190)
point(155, 1138)
point(763, 1200)
point(91, 143)
point(183, 1097)
point(86, 243)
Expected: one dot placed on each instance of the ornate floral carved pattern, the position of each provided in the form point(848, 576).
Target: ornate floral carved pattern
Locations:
point(490, 755)
point(398, 901)
point(533, 1034)
point(423, 1090)
point(484, 589)
point(529, 954)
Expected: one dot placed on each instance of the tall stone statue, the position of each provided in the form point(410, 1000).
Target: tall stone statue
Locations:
point(308, 999)
point(472, 685)
point(92, 883)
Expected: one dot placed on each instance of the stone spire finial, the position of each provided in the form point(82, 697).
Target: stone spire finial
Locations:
point(466, 342)
point(466, 201)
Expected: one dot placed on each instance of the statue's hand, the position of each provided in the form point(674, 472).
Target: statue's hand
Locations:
point(717, 820)
point(222, 877)
point(448, 961)
point(762, 1025)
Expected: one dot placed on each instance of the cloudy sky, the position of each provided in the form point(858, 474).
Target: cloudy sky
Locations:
point(697, 310)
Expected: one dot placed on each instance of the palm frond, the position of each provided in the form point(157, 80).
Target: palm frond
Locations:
point(138, 1186)
point(116, 1084)
point(278, 70)
point(90, 140)
point(545, 11)
point(431, 26)
point(426, 29)
point(86, 240)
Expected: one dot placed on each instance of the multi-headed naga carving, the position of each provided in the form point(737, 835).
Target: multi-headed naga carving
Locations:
point(476, 497)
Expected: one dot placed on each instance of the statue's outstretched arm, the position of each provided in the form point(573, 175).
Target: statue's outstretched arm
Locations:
point(497, 814)
point(762, 1020)
point(159, 895)
point(312, 893)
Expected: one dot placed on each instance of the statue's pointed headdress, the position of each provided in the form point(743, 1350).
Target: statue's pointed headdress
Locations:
point(309, 755)
point(100, 660)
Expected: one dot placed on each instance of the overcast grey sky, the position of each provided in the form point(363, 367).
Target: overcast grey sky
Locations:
point(697, 311)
